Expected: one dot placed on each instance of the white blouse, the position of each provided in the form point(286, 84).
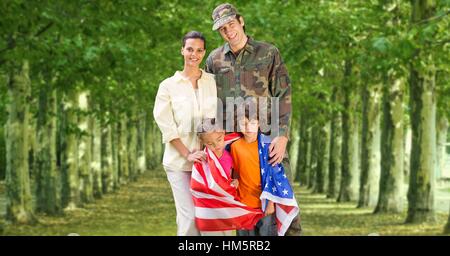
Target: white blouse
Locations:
point(178, 111)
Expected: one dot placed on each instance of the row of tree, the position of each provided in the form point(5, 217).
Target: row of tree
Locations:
point(373, 72)
point(76, 80)
point(79, 79)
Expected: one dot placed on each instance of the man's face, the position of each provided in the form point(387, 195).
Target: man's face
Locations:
point(233, 32)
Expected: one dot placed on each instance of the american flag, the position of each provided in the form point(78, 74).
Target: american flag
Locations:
point(217, 207)
point(276, 188)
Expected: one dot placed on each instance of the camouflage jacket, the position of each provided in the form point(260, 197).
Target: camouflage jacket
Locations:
point(258, 70)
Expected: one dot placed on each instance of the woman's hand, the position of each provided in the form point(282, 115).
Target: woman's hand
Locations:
point(196, 156)
point(270, 209)
point(234, 183)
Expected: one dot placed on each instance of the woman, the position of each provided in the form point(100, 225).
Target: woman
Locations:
point(182, 101)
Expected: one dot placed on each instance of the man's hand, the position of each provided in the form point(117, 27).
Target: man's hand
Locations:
point(277, 149)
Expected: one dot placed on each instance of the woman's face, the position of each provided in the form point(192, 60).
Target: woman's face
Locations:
point(193, 52)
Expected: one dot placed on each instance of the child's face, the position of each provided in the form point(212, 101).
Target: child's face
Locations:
point(214, 141)
point(248, 127)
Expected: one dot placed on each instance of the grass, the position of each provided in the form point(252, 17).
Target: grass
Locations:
point(322, 216)
point(146, 207)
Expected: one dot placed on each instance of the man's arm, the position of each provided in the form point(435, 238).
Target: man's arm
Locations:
point(209, 64)
point(280, 86)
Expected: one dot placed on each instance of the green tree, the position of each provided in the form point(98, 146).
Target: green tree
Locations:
point(349, 167)
point(370, 152)
point(423, 121)
point(447, 227)
point(335, 147)
point(47, 178)
point(18, 206)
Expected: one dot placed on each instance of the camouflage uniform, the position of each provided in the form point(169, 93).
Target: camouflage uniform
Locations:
point(257, 70)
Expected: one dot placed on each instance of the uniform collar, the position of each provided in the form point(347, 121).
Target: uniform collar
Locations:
point(249, 46)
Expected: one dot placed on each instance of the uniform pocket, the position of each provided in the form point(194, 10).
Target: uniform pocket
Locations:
point(223, 82)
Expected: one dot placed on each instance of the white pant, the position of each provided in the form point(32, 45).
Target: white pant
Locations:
point(180, 181)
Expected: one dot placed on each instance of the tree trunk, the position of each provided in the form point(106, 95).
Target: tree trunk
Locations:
point(154, 144)
point(334, 170)
point(326, 156)
point(71, 177)
point(96, 167)
point(116, 151)
point(159, 145)
point(322, 159)
point(19, 207)
point(447, 227)
point(370, 155)
point(123, 152)
point(423, 125)
point(294, 144)
point(150, 157)
point(48, 199)
point(308, 156)
point(141, 161)
point(407, 153)
point(84, 149)
point(442, 130)
point(391, 177)
point(132, 146)
point(32, 142)
point(349, 169)
point(107, 156)
point(301, 175)
point(313, 158)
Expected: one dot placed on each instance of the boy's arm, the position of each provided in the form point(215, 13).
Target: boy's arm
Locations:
point(233, 153)
point(234, 174)
point(270, 208)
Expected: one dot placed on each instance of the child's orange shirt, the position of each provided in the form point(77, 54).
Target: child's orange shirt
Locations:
point(246, 165)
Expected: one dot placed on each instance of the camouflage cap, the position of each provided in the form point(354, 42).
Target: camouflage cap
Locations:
point(223, 14)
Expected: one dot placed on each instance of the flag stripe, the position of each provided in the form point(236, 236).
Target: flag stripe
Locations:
point(215, 203)
point(243, 222)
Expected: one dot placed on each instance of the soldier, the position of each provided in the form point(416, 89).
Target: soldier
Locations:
point(244, 67)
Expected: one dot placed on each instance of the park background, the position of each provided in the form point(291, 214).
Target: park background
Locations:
point(81, 153)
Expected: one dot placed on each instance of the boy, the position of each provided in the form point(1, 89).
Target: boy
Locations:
point(247, 166)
